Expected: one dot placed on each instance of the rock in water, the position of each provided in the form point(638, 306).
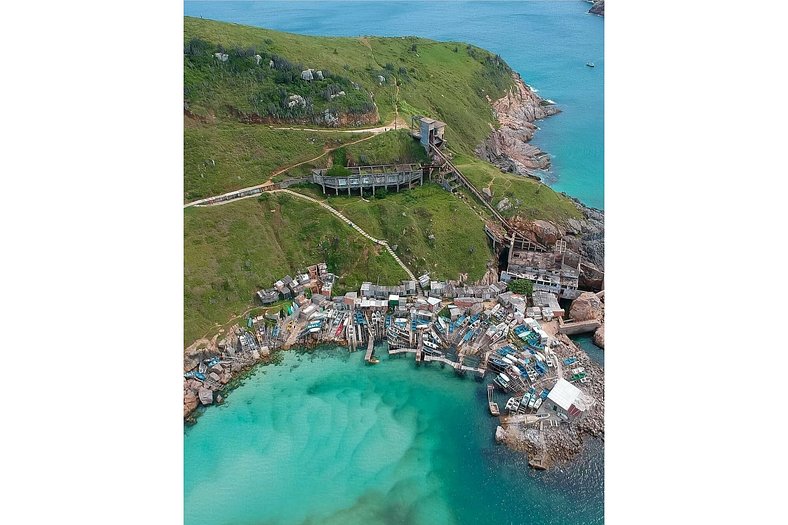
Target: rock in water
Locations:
point(500, 434)
point(206, 396)
point(586, 307)
point(599, 336)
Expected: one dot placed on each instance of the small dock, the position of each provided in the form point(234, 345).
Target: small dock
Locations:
point(493, 406)
point(370, 350)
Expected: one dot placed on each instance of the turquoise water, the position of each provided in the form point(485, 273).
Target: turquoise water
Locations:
point(548, 42)
point(323, 438)
point(586, 342)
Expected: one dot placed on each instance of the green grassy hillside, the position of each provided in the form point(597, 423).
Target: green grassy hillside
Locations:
point(409, 218)
point(226, 156)
point(449, 81)
point(233, 250)
point(536, 201)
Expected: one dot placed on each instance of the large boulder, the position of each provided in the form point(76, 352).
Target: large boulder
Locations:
point(586, 307)
point(591, 277)
point(599, 336)
point(206, 396)
point(190, 402)
point(545, 232)
point(500, 434)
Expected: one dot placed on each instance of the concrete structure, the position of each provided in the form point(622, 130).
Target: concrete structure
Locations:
point(563, 401)
point(269, 296)
point(554, 272)
point(430, 131)
point(374, 291)
point(547, 300)
point(371, 177)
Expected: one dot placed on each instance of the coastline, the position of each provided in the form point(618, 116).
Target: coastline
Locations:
point(544, 449)
point(508, 146)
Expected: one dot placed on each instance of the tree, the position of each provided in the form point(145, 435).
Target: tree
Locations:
point(282, 313)
point(521, 286)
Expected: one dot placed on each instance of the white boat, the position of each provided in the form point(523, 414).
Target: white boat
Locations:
point(590, 64)
point(532, 401)
point(538, 403)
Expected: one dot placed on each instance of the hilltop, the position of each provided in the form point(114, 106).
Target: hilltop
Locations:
point(447, 80)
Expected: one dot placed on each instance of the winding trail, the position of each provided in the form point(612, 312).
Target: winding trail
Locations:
point(350, 223)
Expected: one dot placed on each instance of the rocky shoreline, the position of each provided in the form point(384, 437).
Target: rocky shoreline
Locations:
point(508, 146)
point(548, 446)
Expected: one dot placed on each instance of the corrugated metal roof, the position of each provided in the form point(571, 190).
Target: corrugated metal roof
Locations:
point(564, 394)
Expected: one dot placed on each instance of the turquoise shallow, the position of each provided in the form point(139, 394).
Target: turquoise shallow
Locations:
point(547, 42)
point(324, 438)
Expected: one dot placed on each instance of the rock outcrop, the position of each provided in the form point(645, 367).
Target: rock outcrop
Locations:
point(598, 8)
point(599, 336)
point(206, 396)
point(507, 147)
point(586, 307)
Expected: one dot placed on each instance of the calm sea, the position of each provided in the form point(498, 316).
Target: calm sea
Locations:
point(324, 438)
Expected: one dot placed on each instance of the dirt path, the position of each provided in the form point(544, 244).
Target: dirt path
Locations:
point(353, 225)
point(268, 182)
point(397, 123)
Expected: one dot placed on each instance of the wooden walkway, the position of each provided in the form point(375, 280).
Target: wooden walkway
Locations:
point(492, 405)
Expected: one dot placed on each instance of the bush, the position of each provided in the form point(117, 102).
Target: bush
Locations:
point(340, 157)
point(338, 170)
point(521, 286)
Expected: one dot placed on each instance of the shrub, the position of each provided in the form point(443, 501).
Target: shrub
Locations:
point(521, 286)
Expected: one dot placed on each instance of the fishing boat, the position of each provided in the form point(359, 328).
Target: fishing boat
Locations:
point(590, 64)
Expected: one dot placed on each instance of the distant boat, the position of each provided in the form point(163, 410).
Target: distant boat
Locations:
point(590, 64)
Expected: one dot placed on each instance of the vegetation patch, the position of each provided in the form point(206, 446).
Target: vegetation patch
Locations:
point(525, 197)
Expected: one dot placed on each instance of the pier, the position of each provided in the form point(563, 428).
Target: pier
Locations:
point(492, 405)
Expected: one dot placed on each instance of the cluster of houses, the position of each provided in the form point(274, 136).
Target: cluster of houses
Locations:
point(317, 279)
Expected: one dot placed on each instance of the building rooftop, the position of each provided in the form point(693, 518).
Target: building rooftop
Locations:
point(564, 394)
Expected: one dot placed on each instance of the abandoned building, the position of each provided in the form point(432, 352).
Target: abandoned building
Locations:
point(374, 291)
point(430, 131)
point(384, 176)
point(550, 271)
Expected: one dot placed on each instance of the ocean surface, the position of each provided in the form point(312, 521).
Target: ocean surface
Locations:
point(548, 42)
point(324, 438)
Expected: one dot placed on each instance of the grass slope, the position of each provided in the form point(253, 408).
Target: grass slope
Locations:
point(538, 201)
point(386, 148)
point(232, 250)
point(445, 80)
point(408, 218)
point(227, 156)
